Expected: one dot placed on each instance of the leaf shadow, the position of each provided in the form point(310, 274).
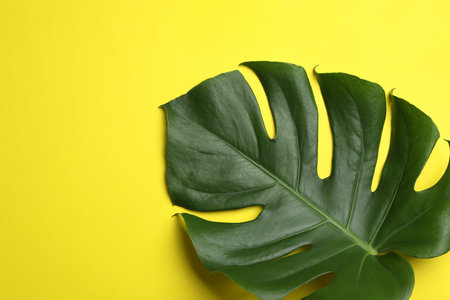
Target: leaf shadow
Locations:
point(224, 288)
point(221, 286)
point(418, 264)
point(164, 148)
point(311, 287)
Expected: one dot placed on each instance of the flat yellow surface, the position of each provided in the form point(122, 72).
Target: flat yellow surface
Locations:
point(84, 212)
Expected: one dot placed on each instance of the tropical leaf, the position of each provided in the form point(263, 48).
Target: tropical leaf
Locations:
point(219, 157)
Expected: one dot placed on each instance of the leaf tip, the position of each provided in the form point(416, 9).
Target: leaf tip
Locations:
point(246, 64)
point(315, 73)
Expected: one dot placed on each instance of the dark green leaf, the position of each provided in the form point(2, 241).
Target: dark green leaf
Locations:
point(219, 157)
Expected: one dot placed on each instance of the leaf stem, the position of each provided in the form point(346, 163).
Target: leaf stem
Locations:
point(368, 248)
point(346, 231)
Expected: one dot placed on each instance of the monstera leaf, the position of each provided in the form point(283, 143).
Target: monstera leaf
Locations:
point(219, 157)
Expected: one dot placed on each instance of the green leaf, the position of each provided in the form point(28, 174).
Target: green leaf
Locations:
point(219, 157)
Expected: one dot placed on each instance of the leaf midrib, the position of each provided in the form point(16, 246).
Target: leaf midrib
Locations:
point(366, 247)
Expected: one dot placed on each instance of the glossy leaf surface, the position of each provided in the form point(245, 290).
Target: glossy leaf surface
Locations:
point(219, 157)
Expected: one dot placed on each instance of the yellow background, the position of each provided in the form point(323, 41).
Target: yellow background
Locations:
point(84, 212)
